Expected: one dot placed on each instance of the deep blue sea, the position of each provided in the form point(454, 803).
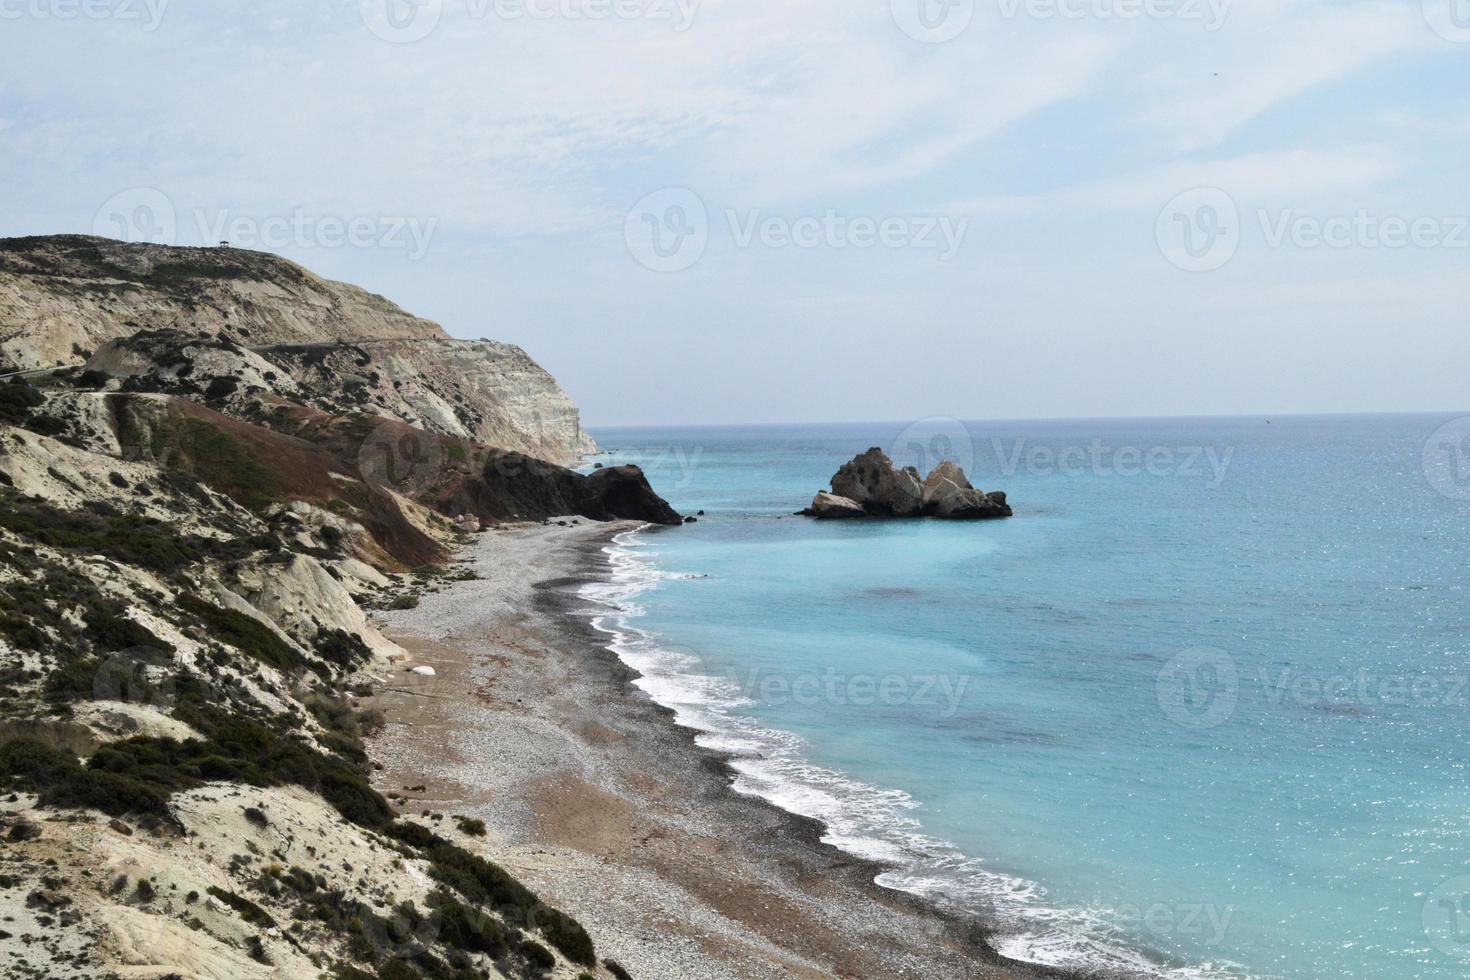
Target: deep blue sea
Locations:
point(1200, 709)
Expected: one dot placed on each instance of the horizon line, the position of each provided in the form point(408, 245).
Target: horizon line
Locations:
point(1270, 416)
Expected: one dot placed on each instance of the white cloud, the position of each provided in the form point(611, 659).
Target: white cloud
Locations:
point(527, 141)
point(1270, 54)
point(1257, 179)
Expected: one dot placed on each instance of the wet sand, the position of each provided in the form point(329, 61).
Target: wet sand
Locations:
point(596, 799)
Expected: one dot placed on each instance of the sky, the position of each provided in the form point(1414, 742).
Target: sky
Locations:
point(725, 211)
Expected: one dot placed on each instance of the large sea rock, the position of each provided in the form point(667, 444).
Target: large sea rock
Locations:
point(871, 486)
point(871, 481)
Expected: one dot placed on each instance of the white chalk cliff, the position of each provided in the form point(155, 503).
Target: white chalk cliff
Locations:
point(64, 297)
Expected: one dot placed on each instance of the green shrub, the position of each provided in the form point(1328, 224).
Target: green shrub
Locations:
point(16, 401)
point(486, 883)
point(255, 949)
point(468, 929)
point(567, 935)
point(110, 630)
point(100, 530)
point(414, 835)
point(72, 680)
point(246, 634)
point(342, 649)
point(61, 781)
point(113, 795)
point(480, 881)
point(353, 797)
point(538, 957)
point(47, 425)
point(33, 761)
point(22, 633)
point(139, 774)
point(245, 908)
point(301, 880)
point(398, 970)
point(472, 826)
point(221, 388)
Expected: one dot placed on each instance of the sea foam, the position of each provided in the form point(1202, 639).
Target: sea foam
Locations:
point(866, 821)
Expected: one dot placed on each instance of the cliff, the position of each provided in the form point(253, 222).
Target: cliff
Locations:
point(63, 298)
point(194, 529)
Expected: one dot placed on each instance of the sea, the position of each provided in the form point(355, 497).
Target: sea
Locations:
point(1200, 709)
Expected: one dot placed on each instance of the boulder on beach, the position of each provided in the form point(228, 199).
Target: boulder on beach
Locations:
point(870, 486)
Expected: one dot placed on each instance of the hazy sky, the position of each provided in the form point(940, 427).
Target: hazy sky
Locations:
point(769, 210)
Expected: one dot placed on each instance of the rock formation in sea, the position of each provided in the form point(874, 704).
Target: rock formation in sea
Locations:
point(870, 486)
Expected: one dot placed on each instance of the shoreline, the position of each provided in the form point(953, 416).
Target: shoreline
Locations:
point(534, 725)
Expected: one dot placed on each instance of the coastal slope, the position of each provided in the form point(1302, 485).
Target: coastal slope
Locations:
point(64, 297)
point(193, 553)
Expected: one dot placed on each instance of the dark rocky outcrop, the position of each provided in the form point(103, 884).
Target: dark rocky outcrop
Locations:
point(512, 486)
point(870, 486)
point(623, 493)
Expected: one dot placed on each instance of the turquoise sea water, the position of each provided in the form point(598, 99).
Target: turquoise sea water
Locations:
point(1199, 709)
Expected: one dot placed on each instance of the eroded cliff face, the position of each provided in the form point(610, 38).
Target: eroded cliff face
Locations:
point(194, 527)
point(65, 298)
point(483, 390)
point(61, 297)
point(185, 787)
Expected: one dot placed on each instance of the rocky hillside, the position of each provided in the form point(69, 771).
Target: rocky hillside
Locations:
point(63, 299)
point(193, 535)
